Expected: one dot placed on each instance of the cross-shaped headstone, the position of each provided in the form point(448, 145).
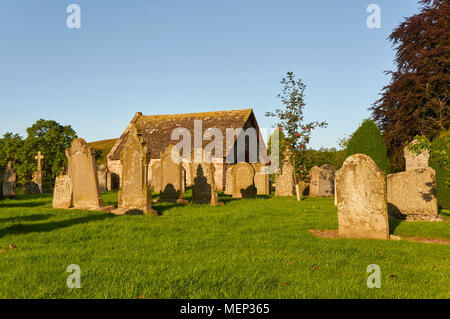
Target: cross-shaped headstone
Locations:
point(39, 159)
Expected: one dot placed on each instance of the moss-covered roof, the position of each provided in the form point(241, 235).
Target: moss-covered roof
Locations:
point(157, 129)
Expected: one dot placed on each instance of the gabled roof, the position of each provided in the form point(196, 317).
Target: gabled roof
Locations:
point(157, 129)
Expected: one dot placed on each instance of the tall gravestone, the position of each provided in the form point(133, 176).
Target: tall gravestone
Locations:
point(411, 194)
point(9, 181)
point(361, 199)
point(134, 195)
point(322, 181)
point(284, 180)
point(261, 179)
point(203, 187)
point(243, 176)
point(171, 176)
point(83, 171)
point(415, 161)
point(228, 181)
point(38, 176)
point(63, 192)
point(102, 173)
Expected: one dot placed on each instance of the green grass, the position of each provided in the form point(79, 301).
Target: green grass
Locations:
point(257, 248)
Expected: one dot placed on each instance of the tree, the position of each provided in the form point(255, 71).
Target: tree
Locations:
point(51, 138)
point(291, 122)
point(11, 149)
point(367, 140)
point(416, 100)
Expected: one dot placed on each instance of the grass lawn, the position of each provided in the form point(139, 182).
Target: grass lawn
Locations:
point(257, 248)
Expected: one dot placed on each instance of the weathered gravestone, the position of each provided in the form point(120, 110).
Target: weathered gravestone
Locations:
point(411, 195)
point(303, 188)
point(203, 187)
point(63, 192)
point(243, 176)
point(102, 174)
point(171, 176)
point(156, 176)
point(361, 197)
point(38, 176)
point(228, 181)
point(261, 179)
point(322, 181)
point(134, 195)
point(415, 161)
point(31, 188)
point(183, 179)
point(9, 182)
point(83, 171)
point(284, 179)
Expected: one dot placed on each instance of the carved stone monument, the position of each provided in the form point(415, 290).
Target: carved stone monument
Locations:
point(243, 176)
point(134, 195)
point(83, 171)
point(361, 198)
point(63, 192)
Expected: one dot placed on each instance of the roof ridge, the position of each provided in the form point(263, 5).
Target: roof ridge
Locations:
point(198, 113)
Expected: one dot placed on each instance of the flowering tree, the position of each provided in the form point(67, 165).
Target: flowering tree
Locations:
point(290, 121)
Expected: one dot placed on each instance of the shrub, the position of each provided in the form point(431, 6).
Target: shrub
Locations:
point(367, 140)
point(439, 160)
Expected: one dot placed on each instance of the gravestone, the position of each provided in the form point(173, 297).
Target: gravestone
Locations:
point(361, 198)
point(284, 179)
point(9, 182)
point(261, 179)
point(203, 187)
point(171, 177)
point(314, 176)
point(303, 188)
point(411, 195)
point(415, 161)
point(31, 188)
point(83, 171)
point(38, 176)
point(228, 181)
point(156, 176)
point(322, 181)
point(63, 192)
point(243, 176)
point(134, 195)
point(102, 174)
point(183, 179)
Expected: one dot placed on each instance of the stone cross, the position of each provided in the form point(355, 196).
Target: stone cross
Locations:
point(39, 157)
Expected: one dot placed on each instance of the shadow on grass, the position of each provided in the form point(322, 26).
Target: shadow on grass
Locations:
point(22, 229)
point(14, 203)
point(30, 218)
point(162, 207)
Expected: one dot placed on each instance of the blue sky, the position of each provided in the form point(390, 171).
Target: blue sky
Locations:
point(163, 57)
